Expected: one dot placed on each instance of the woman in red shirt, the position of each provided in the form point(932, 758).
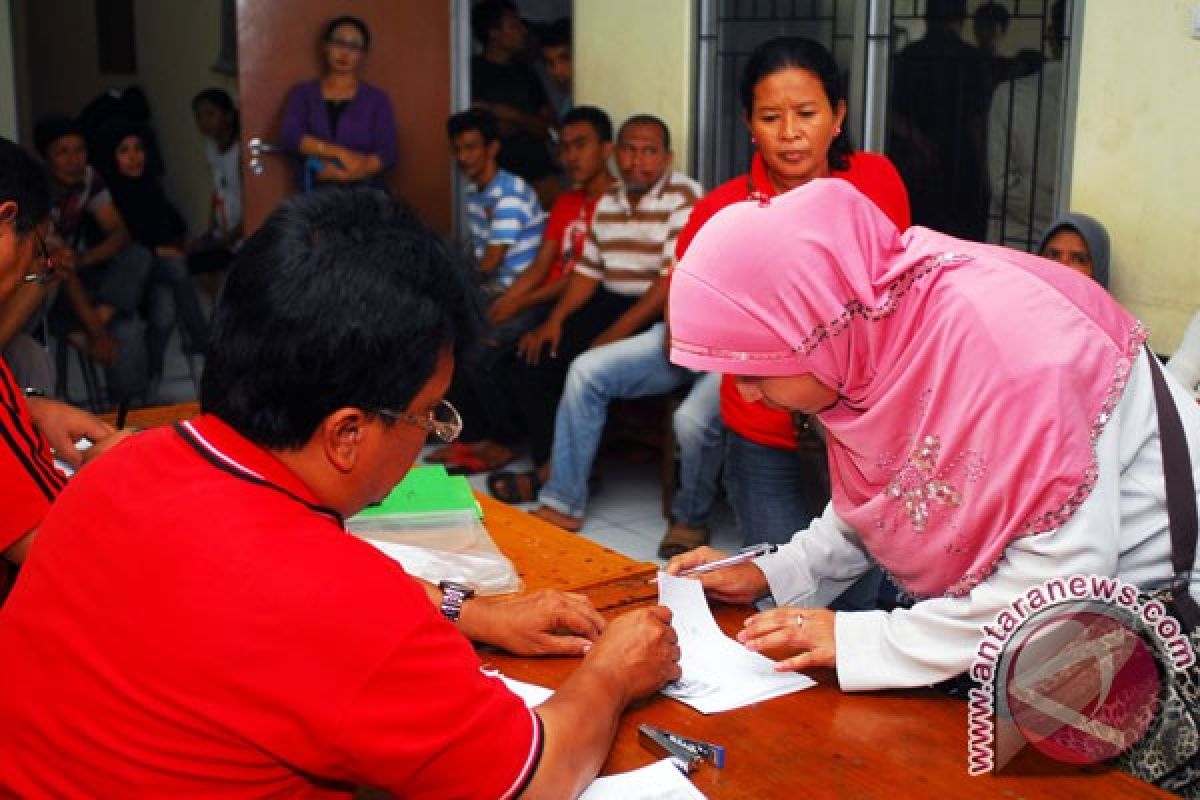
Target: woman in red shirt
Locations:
point(795, 107)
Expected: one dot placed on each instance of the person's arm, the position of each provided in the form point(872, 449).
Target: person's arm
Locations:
point(525, 292)
point(115, 240)
point(17, 551)
point(102, 346)
point(509, 216)
point(637, 655)
point(1185, 363)
point(63, 425)
point(547, 622)
point(580, 288)
point(647, 309)
point(17, 310)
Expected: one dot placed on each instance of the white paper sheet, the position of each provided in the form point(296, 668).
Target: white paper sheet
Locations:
point(719, 674)
point(659, 781)
point(531, 693)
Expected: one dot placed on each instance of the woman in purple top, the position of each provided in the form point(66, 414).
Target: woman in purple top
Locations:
point(341, 126)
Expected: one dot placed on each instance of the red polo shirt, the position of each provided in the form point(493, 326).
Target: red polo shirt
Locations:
point(190, 621)
point(569, 223)
point(871, 174)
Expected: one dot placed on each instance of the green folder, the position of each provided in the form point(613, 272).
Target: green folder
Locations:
point(427, 490)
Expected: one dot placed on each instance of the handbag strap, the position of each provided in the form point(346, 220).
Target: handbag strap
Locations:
point(1181, 497)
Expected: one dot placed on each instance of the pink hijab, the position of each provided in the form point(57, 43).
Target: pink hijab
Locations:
point(973, 379)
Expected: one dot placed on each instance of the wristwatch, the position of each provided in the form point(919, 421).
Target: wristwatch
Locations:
point(453, 597)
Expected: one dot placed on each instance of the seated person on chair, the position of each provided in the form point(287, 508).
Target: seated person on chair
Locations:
point(616, 290)
point(157, 226)
point(107, 279)
point(30, 426)
point(260, 649)
point(484, 393)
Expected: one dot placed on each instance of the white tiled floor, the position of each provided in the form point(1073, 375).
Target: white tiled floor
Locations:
point(626, 514)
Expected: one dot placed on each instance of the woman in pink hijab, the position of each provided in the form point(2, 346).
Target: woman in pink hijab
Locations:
point(990, 424)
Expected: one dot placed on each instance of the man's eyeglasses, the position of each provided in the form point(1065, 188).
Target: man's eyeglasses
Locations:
point(443, 421)
point(46, 274)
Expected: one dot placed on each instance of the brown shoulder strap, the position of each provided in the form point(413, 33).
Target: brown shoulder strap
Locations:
point(1181, 496)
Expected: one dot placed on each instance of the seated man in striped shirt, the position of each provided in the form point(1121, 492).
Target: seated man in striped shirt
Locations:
point(504, 214)
point(617, 289)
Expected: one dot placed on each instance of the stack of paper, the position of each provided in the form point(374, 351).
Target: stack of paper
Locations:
point(427, 490)
point(659, 781)
point(719, 674)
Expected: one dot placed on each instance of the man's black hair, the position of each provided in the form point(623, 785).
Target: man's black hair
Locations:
point(556, 33)
point(341, 299)
point(648, 119)
point(486, 16)
point(23, 180)
point(592, 116)
point(52, 127)
point(993, 14)
point(473, 119)
point(219, 99)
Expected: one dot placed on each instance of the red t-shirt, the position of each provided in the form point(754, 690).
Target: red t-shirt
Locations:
point(871, 174)
point(29, 480)
point(569, 222)
point(212, 630)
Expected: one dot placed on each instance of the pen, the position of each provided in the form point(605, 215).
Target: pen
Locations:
point(746, 554)
point(122, 412)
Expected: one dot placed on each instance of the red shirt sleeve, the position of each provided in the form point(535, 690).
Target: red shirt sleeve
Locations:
point(429, 722)
point(29, 480)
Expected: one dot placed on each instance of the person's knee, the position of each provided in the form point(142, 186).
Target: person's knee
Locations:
point(587, 377)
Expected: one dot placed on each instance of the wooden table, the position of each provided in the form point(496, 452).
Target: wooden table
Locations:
point(818, 743)
point(154, 416)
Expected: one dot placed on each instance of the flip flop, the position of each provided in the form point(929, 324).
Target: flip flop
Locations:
point(506, 486)
point(451, 452)
point(471, 463)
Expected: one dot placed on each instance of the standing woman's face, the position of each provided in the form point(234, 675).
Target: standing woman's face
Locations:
point(131, 157)
point(344, 50)
point(794, 125)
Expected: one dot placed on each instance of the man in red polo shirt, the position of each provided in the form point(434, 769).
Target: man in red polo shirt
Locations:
point(216, 632)
point(29, 480)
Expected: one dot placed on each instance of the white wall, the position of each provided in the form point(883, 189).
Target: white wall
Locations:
point(636, 56)
point(1137, 155)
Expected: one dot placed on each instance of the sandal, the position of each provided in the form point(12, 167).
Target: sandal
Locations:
point(473, 462)
point(680, 538)
point(450, 453)
point(557, 519)
point(514, 487)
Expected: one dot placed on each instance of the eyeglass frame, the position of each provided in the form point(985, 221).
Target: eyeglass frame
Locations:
point(445, 431)
point(46, 275)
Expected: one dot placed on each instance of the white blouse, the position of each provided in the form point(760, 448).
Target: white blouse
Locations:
point(1121, 530)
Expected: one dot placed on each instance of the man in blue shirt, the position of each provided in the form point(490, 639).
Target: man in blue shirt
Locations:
point(506, 219)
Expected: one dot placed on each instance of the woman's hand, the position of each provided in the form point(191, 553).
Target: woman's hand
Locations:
point(805, 634)
point(741, 583)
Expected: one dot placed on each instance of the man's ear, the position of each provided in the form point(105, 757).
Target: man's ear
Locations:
point(342, 435)
point(8, 211)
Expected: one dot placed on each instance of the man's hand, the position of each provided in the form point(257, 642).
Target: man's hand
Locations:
point(64, 425)
point(505, 307)
point(805, 634)
point(638, 653)
point(103, 347)
point(544, 623)
point(608, 336)
point(740, 583)
point(545, 335)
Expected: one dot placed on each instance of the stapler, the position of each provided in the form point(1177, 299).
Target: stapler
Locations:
point(686, 753)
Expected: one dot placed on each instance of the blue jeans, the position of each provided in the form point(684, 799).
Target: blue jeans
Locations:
point(764, 487)
point(172, 297)
point(634, 367)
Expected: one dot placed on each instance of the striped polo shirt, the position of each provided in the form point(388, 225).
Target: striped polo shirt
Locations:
point(506, 212)
point(29, 480)
point(629, 247)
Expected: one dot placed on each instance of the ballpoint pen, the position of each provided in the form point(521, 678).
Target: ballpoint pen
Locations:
point(746, 554)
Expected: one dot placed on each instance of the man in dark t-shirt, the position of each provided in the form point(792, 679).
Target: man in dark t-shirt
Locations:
point(504, 84)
